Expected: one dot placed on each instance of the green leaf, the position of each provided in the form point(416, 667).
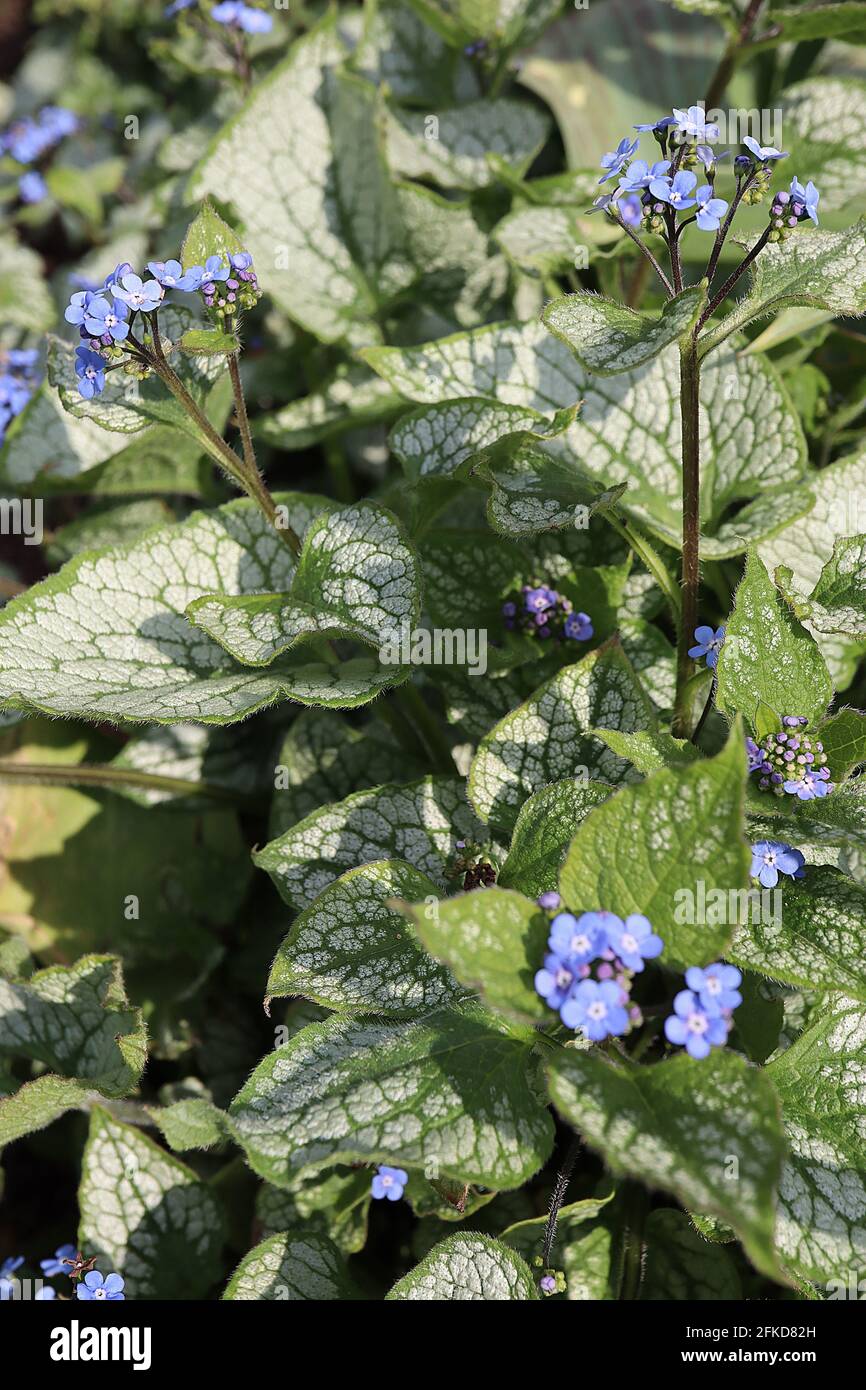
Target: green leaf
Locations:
point(838, 601)
point(677, 1125)
point(533, 491)
point(615, 437)
point(76, 1021)
point(147, 1215)
point(208, 235)
point(467, 1267)
point(768, 657)
point(400, 50)
point(821, 1228)
point(107, 637)
point(323, 759)
point(542, 833)
point(334, 1204)
point(114, 523)
point(649, 750)
point(680, 1265)
point(350, 399)
point(198, 341)
point(292, 1266)
point(548, 738)
point(813, 934)
point(844, 738)
point(454, 152)
point(608, 338)
point(549, 240)
point(682, 833)
point(25, 301)
point(419, 822)
point(37, 1104)
point(587, 1247)
point(436, 440)
point(320, 217)
point(493, 941)
point(194, 1123)
point(839, 19)
point(452, 1091)
point(823, 270)
point(352, 949)
point(356, 577)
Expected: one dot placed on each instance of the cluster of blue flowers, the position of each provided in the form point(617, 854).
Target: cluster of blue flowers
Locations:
point(18, 381)
point(649, 193)
point(703, 1012)
point(542, 612)
point(29, 139)
point(707, 646)
point(598, 1006)
point(104, 316)
point(791, 761)
point(65, 1260)
point(389, 1183)
point(232, 13)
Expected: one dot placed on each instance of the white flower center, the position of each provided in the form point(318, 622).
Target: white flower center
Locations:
point(579, 944)
point(697, 1023)
point(713, 984)
point(597, 1010)
point(628, 942)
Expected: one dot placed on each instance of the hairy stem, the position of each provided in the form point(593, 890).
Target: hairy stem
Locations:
point(557, 1197)
point(644, 249)
point(734, 276)
point(690, 412)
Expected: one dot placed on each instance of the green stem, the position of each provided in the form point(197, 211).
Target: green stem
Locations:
point(104, 775)
point(635, 1211)
point(734, 276)
point(557, 1197)
point(690, 411)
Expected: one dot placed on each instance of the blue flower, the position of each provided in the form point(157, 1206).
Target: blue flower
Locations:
point(596, 1009)
point(138, 294)
point(176, 6)
point(754, 753)
point(711, 210)
point(604, 203)
point(539, 600)
point(14, 394)
point(677, 191)
point(78, 305)
point(771, 858)
point(709, 645)
point(57, 1263)
point(578, 939)
point(810, 785)
point(640, 175)
point(172, 276)
point(634, 941)
point(215, 268)
point(104, 320)
point(760, 152)
point(95, 1287)
point(241, 260)
point(709, 158)
point(692, 1026)
point(716, 986)
point(389, 1182)
point(556, 980)
point(804, 201)
point(58, 121)
point(615, 161)
point(550, 901)
point(90, 370)
point(578, 627)
point(22, 359)
point(630, 210)
point(111, 279)
point(693, 124)
point(661, 124)
point(32, 187)
point(239, 16)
